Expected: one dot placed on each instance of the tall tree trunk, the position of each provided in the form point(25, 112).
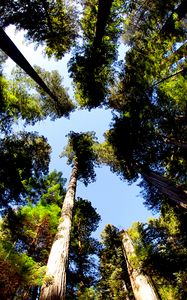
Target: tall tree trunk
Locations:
point(57, 264)
point(104, 7)
point(142, 289)
point(7, 45)
point(164, 186)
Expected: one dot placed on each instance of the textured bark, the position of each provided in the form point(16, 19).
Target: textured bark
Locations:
point(55, 289)
point(141, 287)
point(164, 186)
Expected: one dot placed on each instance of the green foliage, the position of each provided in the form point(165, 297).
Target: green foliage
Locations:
point(17, 103)
point(52, 189)
point(92, 66)
point(114, 281)
point(160, 247)
point(147, 137)
point(23, 156)
point(145, 20)
point(49, 23)
point(82, 272)
point(88, 294)
point(80, 147)
point(18, 271)
point(23, 99)
point(26, 237)
point(38, 228)
point(152, 116)
point(63, 105)
point(149, 131)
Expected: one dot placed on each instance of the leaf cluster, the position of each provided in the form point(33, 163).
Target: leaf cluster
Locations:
point(160, 247)
point(23, 156)
point(92, 66)
point(82, 272)
point(80, 148)
point(49, 23)
point(114, 281)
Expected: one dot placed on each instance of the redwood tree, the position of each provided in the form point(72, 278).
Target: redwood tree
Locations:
point(81, 156)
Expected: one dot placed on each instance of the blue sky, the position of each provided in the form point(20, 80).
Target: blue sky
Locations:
point(117, 202)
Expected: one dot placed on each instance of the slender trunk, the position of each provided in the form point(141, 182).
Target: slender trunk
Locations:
point(182, 71)
point(164, 186)
point(104, 8)
point(140, 284)
point(55, 288)
point(13, 52)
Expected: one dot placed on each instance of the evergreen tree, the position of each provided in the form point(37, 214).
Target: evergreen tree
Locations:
point(23, 99)
point(129, 164)
point(160, 250)
point(50, 23)
point(149, 132)
point(82, 272)
point(140, 282)
point(24, 156)
point(93, 65)
point(26, 237)
point(81, 155)
point(114, 281)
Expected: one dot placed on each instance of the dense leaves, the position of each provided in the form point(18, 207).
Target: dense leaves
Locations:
point(23, 156)
point(148, 133)
point(23, 99)
point(147, 138)
point(50, 23)
point(114, 281)
point(26, 237)
point(80, 148)
point(161, 251)
point(82, 273)
point(92, 66)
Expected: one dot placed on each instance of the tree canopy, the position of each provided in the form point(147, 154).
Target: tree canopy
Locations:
point(80, 148)
point(92, 66)
point(50, 23)
point(145, 142)
point(23, 156)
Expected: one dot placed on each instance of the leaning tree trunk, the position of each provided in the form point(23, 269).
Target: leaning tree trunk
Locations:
point(141, 287)
point(7, 45)
point(164, 186)
point(55, 286)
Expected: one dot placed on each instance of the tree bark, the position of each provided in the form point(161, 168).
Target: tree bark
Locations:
point(57, 264)
point(164, 186)
point(141, 287)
